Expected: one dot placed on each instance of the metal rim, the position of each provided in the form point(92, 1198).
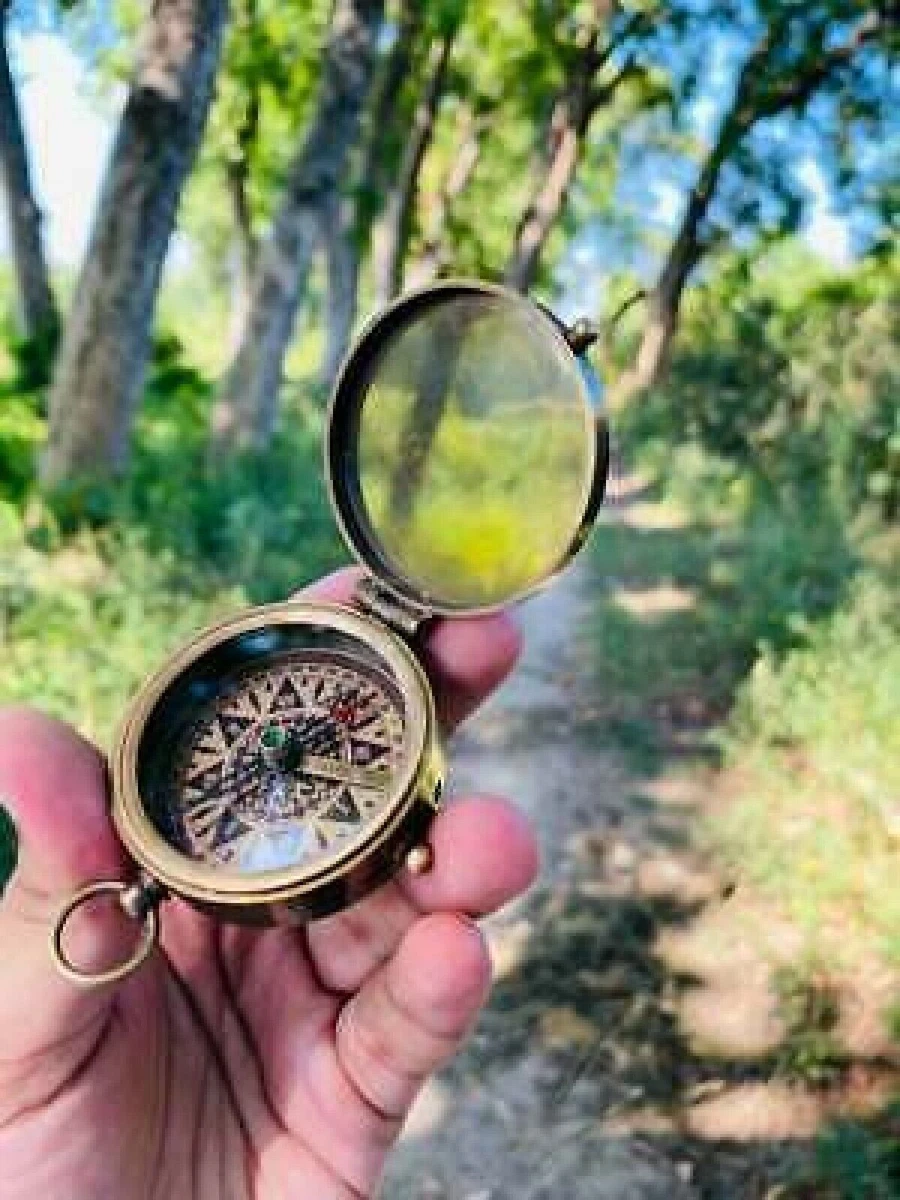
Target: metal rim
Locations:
point(146, 943)
point(204, 884)
point(342, 421)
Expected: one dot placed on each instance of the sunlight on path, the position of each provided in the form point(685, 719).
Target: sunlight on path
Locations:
point(647, 603)
point(637, 1045)
point(514, 1128)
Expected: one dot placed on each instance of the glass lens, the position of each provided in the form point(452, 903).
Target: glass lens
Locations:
point(278, 748)
point(476, 449)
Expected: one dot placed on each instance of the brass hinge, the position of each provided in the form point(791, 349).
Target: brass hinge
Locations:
point(398, 612)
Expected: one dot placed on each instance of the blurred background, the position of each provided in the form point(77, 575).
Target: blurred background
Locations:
point(203, 201)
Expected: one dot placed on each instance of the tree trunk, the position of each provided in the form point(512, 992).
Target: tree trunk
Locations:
point(244, 253)
point(393, 234)
point(103, 356)
point(348, 225)
point(245, 246)
point(545, 208)
point(660, 326)
point(246, 408)
point(575, 108)
point(664, 298)
point(757, 97)
point(382, 140)
point(38, 318)
point(342, 269)
point(434, 258)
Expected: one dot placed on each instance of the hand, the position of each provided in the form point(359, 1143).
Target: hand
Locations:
point(235, 1063)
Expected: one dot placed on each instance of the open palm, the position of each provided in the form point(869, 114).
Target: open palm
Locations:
point(236, 1063)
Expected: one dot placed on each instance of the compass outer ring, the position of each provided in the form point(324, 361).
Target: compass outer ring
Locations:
point(342, 423)
point(289, 895)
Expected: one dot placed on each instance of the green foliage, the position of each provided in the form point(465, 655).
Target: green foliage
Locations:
point(775, 649)
point(810, 1009)
point(734, 574)
point(773, 434)
point(21, 435)
point(33, 357)
point(512, 64)
point(817, 737)
point(801, 387)
point(98, 585)
point(264, 92)
point(859, 1162)
point(853, 658)
point(819, 76)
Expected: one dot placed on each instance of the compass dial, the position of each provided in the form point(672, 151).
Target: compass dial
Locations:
point(288, 764)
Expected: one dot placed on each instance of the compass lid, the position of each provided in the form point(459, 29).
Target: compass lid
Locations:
point(464, 451)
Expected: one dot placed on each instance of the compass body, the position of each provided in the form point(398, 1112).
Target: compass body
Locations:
point(288, 761)
point(281, 765)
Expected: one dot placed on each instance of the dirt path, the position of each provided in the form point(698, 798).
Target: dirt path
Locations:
point(639, 1043)
point(524, 1114)
point(636, 1046)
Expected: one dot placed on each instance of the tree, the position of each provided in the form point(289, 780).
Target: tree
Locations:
point(598, 59)
point(100, 369)
point(394, 231)
point(469, 74)
point(433, 256)
point(522, 116)
point(348, 220)
point(38, 317)
point(237, 170)
point(246, 406)
point(264, 92)
point(799, 52)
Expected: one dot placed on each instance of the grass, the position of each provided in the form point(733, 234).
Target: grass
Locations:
point(755, 640)
point(816, 738)
point(98, 586)
point(772, 648)
point(695, 582)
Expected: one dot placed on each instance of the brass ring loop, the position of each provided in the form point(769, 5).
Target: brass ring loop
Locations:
point(148, 939)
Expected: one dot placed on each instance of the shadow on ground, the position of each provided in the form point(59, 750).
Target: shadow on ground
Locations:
point(608, 1068)
point(652, 1034)
point(682, 610)
point(702, 1065)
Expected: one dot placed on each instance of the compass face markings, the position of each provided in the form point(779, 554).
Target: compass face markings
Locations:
point(204, 820)
point(287, 697)
point(344, 808)
point(233, 726)
point(248, 808)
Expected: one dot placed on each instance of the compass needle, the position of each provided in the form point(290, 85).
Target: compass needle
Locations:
point(344, 772)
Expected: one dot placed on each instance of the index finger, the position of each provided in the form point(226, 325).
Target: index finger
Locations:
point(466, 658)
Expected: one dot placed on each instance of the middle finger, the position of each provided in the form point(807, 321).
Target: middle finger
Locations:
point(484, 855)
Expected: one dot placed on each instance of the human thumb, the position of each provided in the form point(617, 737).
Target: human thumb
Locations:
point(53, 783)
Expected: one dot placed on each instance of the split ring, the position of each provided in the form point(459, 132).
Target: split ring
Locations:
point(148, 938)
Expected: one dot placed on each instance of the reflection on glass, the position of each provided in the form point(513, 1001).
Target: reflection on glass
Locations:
point(476, 450)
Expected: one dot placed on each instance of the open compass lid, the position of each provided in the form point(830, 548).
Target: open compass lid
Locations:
point(465, 453)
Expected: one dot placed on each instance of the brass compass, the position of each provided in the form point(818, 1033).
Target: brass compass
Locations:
point(288, 760)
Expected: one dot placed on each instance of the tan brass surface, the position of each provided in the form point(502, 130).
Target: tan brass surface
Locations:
point(85, 976)
point(205, 883)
